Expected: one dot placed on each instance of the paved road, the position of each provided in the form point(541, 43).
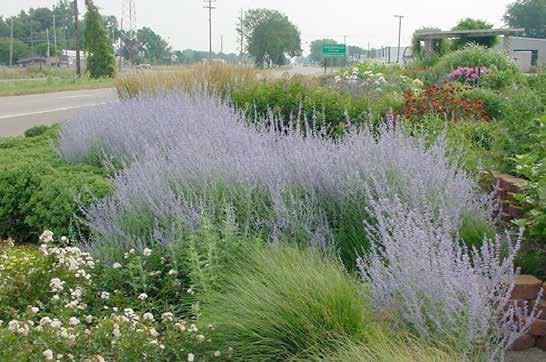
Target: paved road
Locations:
point(296, 70)
point(19, 113)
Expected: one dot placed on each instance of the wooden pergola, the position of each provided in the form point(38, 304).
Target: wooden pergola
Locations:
point(429, 37)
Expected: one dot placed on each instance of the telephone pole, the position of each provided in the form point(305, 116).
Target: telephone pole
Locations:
point(400, 17)
point(208, 5)
point(77, 35)
point(346, 51)
point(31, 39)
point(242, 36)
point(54, 35)
point(11, 43)
point(47, 38)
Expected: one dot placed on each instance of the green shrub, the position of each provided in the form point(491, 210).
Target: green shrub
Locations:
point(476, 56)
point(96, 312)
point(538, 84)
point(421, 71)
point(322, 104)
point(474, 230)
point(519, 115)
point(532, 167)
point(36, 131)
point(500, 79)
point(471, 142)
point(493, 102)
point(39, 192)
point(533, 262)
point(283, 303)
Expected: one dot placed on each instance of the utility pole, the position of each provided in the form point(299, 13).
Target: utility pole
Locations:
point(222, 44)
point(77, 35)
point(11, 43)
point(47, 38)
point(208, 5)
point(346, 51)
point(54, 35)
point(31, 40)
point(65, 23)
point(242, 36)
point(400, 17)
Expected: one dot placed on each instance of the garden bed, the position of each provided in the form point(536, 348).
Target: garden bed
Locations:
point(177, 212)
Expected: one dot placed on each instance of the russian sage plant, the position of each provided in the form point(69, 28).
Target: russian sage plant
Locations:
point(420, 272)
point(188, 155)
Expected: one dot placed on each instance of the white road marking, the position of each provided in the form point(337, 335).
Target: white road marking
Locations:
point(52, 110)
point(77, 96)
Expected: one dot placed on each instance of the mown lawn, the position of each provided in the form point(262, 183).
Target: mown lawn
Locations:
point(48, 85)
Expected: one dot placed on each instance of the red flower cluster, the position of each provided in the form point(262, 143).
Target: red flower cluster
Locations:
point(448, 100)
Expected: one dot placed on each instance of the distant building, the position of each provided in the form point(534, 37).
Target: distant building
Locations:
point(214, 60)
point(529, 53)
point(390, 55)
point(28, 62)
point(68, 57)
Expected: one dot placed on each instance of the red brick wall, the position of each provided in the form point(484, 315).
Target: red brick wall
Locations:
point(526, 291)
point(508, 186)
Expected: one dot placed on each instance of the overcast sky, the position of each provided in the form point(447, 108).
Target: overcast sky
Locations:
point(184, 23)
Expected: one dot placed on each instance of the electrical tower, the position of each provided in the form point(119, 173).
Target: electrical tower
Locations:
point(128, 17)
point(128, 39)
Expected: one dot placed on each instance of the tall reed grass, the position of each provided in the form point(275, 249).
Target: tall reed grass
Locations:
point(216, 78)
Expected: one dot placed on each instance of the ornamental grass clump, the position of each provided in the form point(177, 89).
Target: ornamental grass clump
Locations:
point(420, 273)
point(186, 155)
point(214, 77)
point(284, 304)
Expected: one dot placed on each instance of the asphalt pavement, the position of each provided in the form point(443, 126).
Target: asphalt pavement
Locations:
point(19, 113)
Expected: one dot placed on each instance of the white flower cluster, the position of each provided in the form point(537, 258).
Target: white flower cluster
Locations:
point(19, 328)
point(70, 282)
point(416, 85)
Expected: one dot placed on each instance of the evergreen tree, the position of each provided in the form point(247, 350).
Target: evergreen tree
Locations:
point(100, 60)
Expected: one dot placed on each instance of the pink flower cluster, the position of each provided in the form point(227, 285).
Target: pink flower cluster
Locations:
point(468, 74)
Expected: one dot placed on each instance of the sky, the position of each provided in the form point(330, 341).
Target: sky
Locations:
point(184, 23)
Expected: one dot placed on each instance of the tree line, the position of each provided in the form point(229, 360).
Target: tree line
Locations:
point(268, 37)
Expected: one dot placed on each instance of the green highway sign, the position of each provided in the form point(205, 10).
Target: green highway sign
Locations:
point(334, 50)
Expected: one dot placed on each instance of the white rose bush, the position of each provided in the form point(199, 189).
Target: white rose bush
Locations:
point(59, 303)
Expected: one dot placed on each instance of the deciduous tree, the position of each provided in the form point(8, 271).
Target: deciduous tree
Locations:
point(271, 37)
point(528, 14)
point(474, 24)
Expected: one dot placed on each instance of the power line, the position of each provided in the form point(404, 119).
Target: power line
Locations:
point(208, 5)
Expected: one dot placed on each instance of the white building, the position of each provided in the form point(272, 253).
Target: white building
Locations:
point(68, 57)
point(527, 52)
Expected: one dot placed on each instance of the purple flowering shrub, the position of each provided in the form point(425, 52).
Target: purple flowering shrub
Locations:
point(468, 74)
point(189, 155)
point(420, 272)
point(396, 196)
